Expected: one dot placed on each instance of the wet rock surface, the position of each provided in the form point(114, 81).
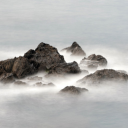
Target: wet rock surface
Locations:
point(73, 90)
point(101, 76)
point(75, 50)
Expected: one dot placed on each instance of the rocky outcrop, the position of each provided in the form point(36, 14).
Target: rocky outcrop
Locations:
point(64, 68)
point(44, 56)
point(102, 76)
point(73, 90)
point(75, 50)
point(93, 62)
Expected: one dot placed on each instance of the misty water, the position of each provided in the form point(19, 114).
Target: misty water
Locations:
point(100, 27)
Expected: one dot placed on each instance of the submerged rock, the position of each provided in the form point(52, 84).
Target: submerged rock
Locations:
point(64, 68)
point(75, 50)
point(101, 76)
point(73, 90)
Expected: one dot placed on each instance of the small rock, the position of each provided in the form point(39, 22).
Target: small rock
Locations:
point(93, 62)
point(73, 90)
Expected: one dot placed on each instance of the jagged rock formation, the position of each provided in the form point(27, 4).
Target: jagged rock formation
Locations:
point(43, 57)
point(75, 50)
point(101, 76)
point(73, 90)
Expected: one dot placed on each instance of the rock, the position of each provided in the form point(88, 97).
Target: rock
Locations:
point(75, 50)
point(88, 64)
point(22, 67)
point(40, 84)
point(93, 62)
point(35, 78)
point(100, 59)
point(64, 68)
point(44, 56)
point(20, 83)
point(73, 90)
point(102, 76)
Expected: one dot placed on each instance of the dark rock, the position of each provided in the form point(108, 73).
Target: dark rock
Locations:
point(44, 56)
point(35, 78)
point(40, 84)
point(75, 50)
point(102, 76)
point(22, 67)
point(64, 68)
point(73, 90)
